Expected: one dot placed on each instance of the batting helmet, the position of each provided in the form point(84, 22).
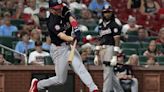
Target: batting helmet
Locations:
point(107, 8)
point(55, 4)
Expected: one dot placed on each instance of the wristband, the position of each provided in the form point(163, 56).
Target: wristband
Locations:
point(74, 24)
point(114, 57)
point(116, 49)
point(97, 48)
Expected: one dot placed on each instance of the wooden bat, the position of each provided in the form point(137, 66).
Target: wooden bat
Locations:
point(72, 52)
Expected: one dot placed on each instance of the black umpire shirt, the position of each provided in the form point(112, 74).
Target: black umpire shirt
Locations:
point(107, 31)
point(57, 24)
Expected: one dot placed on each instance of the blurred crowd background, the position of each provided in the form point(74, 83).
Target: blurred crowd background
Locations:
point(23, 28)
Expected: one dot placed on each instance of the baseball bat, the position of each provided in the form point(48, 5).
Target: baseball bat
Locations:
point(72, 52)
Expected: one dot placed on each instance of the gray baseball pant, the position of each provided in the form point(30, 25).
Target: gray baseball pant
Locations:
point(59, 55)
point(134, 87)
point(110, 80)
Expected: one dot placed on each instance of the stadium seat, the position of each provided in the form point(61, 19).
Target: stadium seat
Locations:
point(160, 59)
point(7, 41)
point(162, 50)
point(132, 33)
point(141, 51)
point(48, 60)
point(126, 58)
point(17, 22)
point(143, 60)
point(129, 51)
point(130, 45)
point(152, 38)
point(159, 46)
point(80, 43)
point(9, 56)
point(144, 44)
point(29, 51)
point(14, 44)
point(15, 34)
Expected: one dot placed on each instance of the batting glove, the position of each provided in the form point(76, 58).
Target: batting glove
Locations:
point(96, 60)
point(113, 61)
point(77, 34)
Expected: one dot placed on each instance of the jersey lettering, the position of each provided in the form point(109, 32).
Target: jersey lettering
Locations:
point(104, 32)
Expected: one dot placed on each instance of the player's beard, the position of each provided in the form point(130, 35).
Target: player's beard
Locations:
point(107, 18)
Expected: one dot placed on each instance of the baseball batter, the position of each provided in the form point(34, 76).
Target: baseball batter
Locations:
point(109, 31)
point(60, 23)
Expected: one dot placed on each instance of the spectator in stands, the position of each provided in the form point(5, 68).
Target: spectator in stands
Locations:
point(130, 26)
point(134, 4)
point(42, 16)
point(125, 75)
point(7, 28)
point(151, 62)
point(42, 3)
point(160, 39)
point(96, 7)
point(1, 19)
point(31, 9)
point(2, 4)
point(149, 7)
point(162, 1)
point(19, 10)
point(9, 7)
point(37, 57)
point(7, 15)
point(23, 46)
point(46, 45)
point(86, 2)
point(142, 36)
point(85, 53)
point(87, 19)
point(133, 60)
point(35, 35)
point(160, 14)
point(152, 50)
point(3, 61)
point(30, 25)
point(75, 6)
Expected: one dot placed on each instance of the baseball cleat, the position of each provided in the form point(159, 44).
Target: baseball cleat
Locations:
point(33, 87)
point(95, 90)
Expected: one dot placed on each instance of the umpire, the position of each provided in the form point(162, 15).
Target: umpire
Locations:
point(60, 24)
point(109, 31)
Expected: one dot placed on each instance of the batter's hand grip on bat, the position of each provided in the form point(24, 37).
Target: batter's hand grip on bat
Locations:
point(72, 52)
point(96, 60)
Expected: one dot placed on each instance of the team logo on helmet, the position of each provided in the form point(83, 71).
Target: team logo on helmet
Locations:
point(57, 27)
point(106, 6)
point(115, 30)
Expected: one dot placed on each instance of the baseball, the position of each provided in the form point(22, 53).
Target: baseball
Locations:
point(88, 37)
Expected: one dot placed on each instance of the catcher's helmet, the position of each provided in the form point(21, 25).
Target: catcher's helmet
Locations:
point(55, 4)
